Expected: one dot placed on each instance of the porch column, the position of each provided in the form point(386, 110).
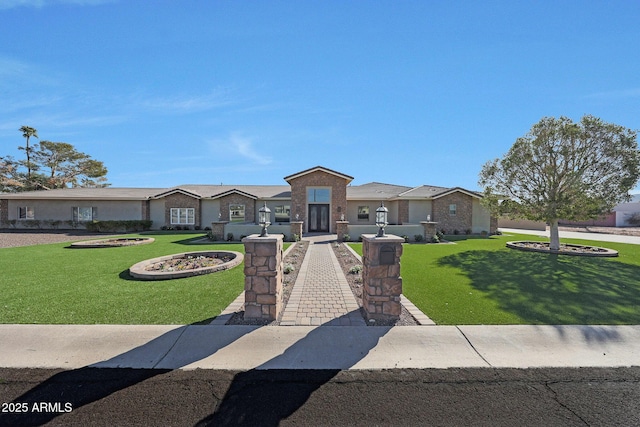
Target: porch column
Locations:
point(342, 228)
point(217, 229)
point(429, 230)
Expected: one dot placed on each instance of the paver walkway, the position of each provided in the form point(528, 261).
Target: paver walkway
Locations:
point(321, 294)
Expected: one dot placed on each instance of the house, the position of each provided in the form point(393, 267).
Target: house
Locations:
point(315, 200)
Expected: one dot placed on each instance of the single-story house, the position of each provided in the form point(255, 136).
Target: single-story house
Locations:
point(319, 199)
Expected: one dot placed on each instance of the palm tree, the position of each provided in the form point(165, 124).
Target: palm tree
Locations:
point(28, 132)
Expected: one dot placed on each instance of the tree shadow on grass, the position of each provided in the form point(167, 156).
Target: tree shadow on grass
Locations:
point(554, 289)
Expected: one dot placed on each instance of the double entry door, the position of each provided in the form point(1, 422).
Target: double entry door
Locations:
point(318, 218)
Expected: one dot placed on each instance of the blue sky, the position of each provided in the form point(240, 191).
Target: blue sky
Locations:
point(404, 92)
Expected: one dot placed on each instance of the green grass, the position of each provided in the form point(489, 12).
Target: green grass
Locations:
point(57, 285)
point(479, 281)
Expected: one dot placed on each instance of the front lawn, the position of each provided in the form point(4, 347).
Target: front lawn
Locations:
point(479, 281)
point(57, 285)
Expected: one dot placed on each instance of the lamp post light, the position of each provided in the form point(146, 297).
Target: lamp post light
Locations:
point(264, 216)
point(381, 219)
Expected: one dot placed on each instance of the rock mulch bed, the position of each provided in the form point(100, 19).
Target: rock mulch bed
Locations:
point(292, 263)
point(15, 238)
point(565, 249)
point(352, 268)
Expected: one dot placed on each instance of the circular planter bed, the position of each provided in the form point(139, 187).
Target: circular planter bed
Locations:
point(185, 265)
point(565, 249)
point(113, 242)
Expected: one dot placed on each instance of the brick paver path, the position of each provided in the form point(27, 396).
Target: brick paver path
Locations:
point(321, 294)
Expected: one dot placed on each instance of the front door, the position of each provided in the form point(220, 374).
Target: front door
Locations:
point(318, 218)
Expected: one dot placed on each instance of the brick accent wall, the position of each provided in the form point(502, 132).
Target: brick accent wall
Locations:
point(4, 211)
point(403, 211)
point(238, 199)
point(146, 210)
point(464, 212)
point(319, 179)
point(178, 200)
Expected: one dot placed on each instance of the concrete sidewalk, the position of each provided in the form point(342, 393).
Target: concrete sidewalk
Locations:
point(321, 347)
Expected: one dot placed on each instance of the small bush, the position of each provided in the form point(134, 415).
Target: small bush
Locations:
point(634, 219)
point(211, 236)
point(288, 269)
point(229, 237)
point(296, 237)
point(467, 231)
point(197, 227)
point(207, 229)
point(356, 269)
point(54, 223)
point(456, 232)
point(418, 237)
point(406, 238)
point(346, 238)
point(435, 239)
point(33, 223)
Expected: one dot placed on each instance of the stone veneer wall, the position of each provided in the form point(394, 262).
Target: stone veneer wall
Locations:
point(179, 200)
point(462, 221)
point(4, 211)
point(263, 273)
point(238, 199)
point(319, 179)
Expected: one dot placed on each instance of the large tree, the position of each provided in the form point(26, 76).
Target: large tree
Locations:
point(563, 170)
point(27, 133)
point(50, 165)
point(66, 167)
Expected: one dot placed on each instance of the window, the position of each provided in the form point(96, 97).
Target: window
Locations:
point(26, 213)
point(236, 213)
point(453, 209)
point(282, 213)
point(183, 216)
point(363, 213)
point(318, 195)
point(84, 214)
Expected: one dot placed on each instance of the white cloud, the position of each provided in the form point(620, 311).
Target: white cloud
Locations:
point(236, 144)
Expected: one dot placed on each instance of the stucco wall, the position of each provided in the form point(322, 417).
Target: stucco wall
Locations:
point(623, 211)
point(418, 210)
point(62, 210)
point(210, 209)
point(156, 213)
point(481, 220)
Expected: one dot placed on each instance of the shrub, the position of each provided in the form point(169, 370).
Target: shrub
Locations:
point(54, 223)
point(406, 238)
point(418, 237)
point(634, 219)
point(32, 223)
point(356, 269)
point(197, 227)
point(72, 224)
point(456, 232)
point(296, 237)
point(467, 231)
point(229, 237)
point(346, 238)
point(118, 226)
point(207, 229)
point(212, 236)
point(435, 239)
point(288, 269)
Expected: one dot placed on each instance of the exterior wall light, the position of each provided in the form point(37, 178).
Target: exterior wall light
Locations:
point(264, 216)
point(381, 219)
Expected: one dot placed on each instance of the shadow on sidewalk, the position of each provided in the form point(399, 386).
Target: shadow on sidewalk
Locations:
point(79, 387)
point(272, 391)
point(261, 396)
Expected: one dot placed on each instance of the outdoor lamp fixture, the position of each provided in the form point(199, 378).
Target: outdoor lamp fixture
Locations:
point(264, 215)
point(381, 219)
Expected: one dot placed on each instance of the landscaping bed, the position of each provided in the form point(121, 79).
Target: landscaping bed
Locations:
point(352, 268)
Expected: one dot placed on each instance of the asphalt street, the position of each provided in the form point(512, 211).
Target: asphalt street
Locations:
point(433, 397)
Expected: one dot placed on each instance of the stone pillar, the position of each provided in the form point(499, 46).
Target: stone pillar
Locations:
point(382, 284)
point(342, 228)
point(429, 230)
point(262, 276)
point(217, 229)
point(296, 228)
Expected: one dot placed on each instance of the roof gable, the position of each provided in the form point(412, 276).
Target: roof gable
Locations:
point(178, 191)
point(318, 169)
point(234, 191)
point(459, 190)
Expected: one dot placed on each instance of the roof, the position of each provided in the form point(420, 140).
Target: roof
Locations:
point(316, 169)
point(374, 191)
point(108, 193)
point(422, 192)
